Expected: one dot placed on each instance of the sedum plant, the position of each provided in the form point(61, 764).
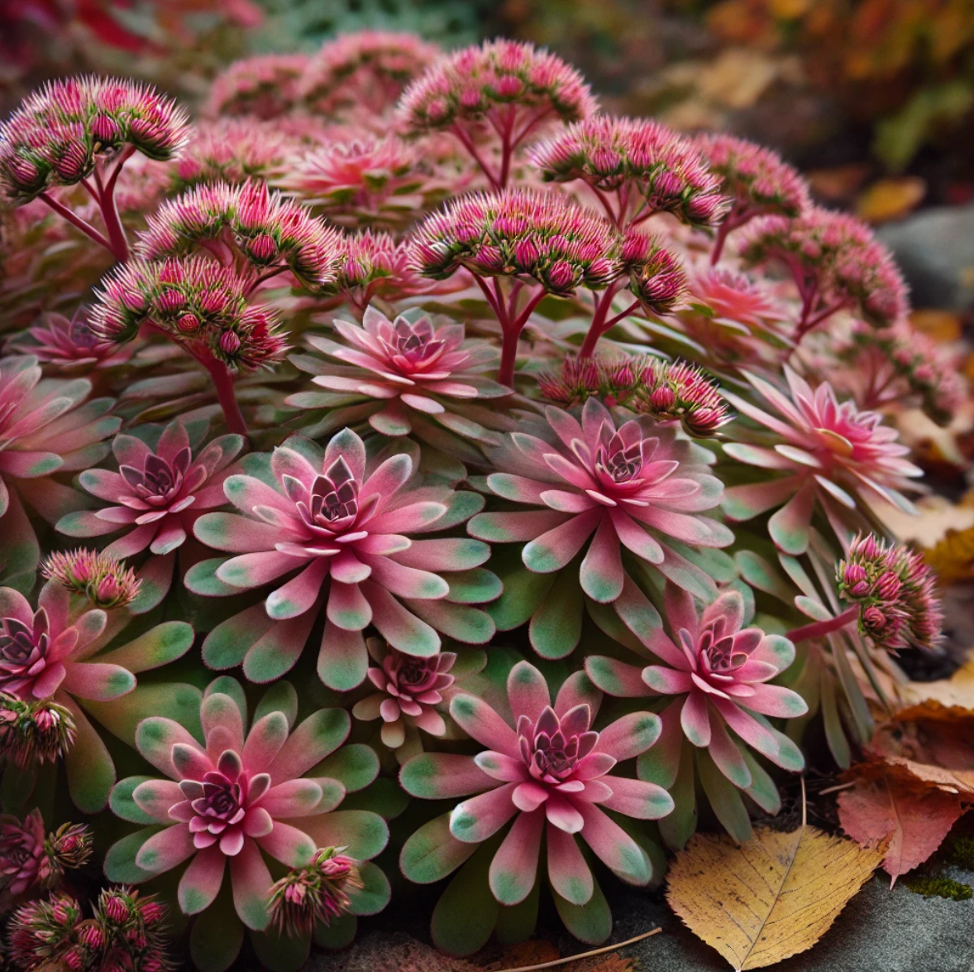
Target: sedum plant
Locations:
point(521, 470)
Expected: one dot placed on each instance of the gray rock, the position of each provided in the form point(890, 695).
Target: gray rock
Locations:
point(935, 250)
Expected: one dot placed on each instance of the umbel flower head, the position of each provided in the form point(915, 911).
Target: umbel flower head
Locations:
point(241, 794)
point(656, 276)
point(501, 90)
point(234, 151)
point(368, 181)
point(647, 166)
point(831, 453)
point(166, 479)
point(270, 232)
point(96, 576)
point(550, 771)
point(340, 527)
point(610, 484)
point(837, 264)
point(894, 590)
point(265, 86)
point(755, 179)
point(669, 392)
point(314, 895)
point(34, 731)
point(59, 133)
point(43, 931)
point(362, 74)
point(519, 233)
point(200, 303)
point(408, 368)
point(472, 84)
point(31, 858)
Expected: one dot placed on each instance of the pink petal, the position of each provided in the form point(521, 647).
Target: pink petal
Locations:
point(695, 719)
point(514, 868)
point(481, 722)
point(201, 881)
point(251, 881)
point(563, 815)
point(569, 874)
point(167, 849)
point(481, 816)
point(527, 691)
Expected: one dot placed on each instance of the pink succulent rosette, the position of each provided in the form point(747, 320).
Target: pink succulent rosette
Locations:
point(411, 374)
point(718, 669)
point(69, 346)
point(340, 526)
point(24, 863)
point(549, 770)
point(166, 480)
point(622, 488)
point(46, 426)
point(411, 694)
point(52, 653)
point(241, 796)
point(832, 455)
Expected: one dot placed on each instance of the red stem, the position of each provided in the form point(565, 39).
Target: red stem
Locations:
point(601, 322)
point(223, 382)
point(468, 144)
point(77, 221)
point(819, 629)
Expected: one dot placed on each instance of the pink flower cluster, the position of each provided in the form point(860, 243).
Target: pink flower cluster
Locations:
point(95, 575)
point(647, 166)
point(59, 133)
point(894, 590)
point(667, 392)
point(837, 265)
point(265, 86)
point(200, 303)
point(273, 234)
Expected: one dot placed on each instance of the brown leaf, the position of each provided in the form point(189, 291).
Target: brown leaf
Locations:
point(887, 804)
point(770, 898)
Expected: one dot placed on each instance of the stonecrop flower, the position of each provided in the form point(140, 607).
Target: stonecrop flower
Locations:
point(401, 373)
point(894, 591)
point(95, 575)
point(126, 931)
point(242, 794)
point(541, 240)
point(234, 151)
point(34, 732)
point(755, 179)
point(201, 304)
point(273, 234)
point(314, 895)
point(70, 346)
point(31, 858)
point(669, 392)
point(159, 491)
point(837, 264)
point(409, 691)
point(45, 426)
point(646, 167)
point(265, 86)
point(831, 453)
point(362, 74)
point(550, 771)
point(719, 670)
point(367, 182)
point(502, 87)
point(882, 368)
point(622, 481)
point(339, 526)
point(59, 134)
point(54, 653)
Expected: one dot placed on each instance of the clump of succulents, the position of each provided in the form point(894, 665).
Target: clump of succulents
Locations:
point(520, 538)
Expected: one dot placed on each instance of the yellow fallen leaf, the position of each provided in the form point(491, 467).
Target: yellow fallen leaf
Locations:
point(940, 325)
point(890, 199)
point(769, 898)
point(952, 556)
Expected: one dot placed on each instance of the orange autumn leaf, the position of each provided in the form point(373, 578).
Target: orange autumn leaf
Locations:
point(890, 199)
point(887, 804)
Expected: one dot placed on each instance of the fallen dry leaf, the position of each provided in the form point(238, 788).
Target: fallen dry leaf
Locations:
point(952, 556)
point(955, 695)
point(888, 804)
point(889, 199)
point(770, 898)
point(941, 325)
